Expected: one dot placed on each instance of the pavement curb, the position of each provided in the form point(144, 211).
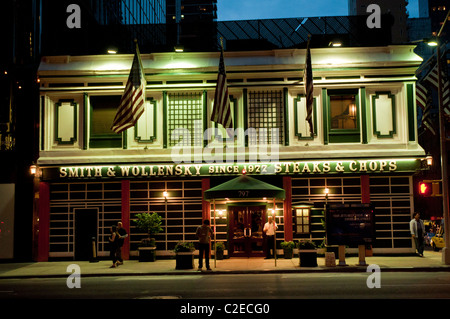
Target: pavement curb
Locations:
point(337, 269)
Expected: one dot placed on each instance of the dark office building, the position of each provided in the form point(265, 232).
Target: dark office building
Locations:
point(30, 30)
point(436, 10)
point(104, 25)
point(192, 24)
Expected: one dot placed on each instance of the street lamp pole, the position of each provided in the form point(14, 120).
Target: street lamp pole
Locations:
point(443, 150)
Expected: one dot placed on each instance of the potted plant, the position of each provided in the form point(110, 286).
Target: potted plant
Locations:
point(184, 254)
point(151, 224)
point(220, 248)
point(288, 248)
point(308, 253)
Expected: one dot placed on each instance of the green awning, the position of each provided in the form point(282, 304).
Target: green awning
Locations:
point(244, 187)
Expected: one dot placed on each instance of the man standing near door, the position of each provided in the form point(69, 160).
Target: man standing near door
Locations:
point(204, 233)
point(269, 229)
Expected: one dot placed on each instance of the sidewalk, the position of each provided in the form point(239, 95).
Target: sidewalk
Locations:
point(431, 262)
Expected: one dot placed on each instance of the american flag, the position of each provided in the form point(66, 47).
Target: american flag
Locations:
point(423, 100)
point(308, 79)
point(433, 79)
point(221, 112)
point(132, 102)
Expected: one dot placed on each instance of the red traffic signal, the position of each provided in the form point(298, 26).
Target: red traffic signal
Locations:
point(425, 188)
point(430, 188)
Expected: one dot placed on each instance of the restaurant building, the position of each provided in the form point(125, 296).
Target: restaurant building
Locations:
point(363, 149)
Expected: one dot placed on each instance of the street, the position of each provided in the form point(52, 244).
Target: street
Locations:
point(221, 296)
point(393, 285)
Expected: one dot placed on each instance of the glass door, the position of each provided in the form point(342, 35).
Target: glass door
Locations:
point(245, 236)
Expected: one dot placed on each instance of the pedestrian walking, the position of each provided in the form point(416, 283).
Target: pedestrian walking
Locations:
point(114, 246)
point(417, 229)
point(122, 235)
point(204, 234)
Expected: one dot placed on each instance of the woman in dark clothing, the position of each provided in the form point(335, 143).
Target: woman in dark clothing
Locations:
point(114, 245)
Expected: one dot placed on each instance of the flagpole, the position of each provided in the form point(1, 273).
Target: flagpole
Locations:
point(215, 232)
point(443, 149)
point(309, 89)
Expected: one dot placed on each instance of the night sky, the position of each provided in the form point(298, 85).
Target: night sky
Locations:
point(273, 9)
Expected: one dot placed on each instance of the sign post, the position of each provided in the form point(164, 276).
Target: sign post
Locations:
point(342, 255)
point(362, 255)
point(350, 224)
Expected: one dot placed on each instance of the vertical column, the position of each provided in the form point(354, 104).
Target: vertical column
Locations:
point(287, 185)
point(126, 217)
point(365, 199)
point(206, 211)
point(365, 189)
point(206, 214)
point(44, 222)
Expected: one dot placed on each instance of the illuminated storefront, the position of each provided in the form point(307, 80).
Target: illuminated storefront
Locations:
point(364, 147)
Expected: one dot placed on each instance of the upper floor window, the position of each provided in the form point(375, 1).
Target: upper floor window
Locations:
point(185, 118)
point(343, 112)
point(266, 116)
point(343, 116)
point(102, 112)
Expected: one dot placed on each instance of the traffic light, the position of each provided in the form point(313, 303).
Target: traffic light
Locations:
point(430, 188)
point(425, 189)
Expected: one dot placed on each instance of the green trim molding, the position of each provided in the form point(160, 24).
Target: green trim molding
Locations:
point(411, 117)
point(286, 118)
point(165, 133)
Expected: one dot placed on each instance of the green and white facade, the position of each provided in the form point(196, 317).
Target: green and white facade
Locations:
point(364, 147)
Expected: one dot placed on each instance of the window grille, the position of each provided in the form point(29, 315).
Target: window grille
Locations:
point(185, 112)
point(266, 114)
point(67, 198)
point(181, 212)
point(301, 220)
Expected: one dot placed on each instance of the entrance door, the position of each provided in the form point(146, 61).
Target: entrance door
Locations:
point(245, 235)
point(85, 229)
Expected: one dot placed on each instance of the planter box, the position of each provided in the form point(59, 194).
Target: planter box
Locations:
point(219, 255)
point(333, 249)
point(147, 254)
point(185, 260)
point(288, 253)
point(308, 258)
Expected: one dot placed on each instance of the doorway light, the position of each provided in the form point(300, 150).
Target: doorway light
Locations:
point(429, 159)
